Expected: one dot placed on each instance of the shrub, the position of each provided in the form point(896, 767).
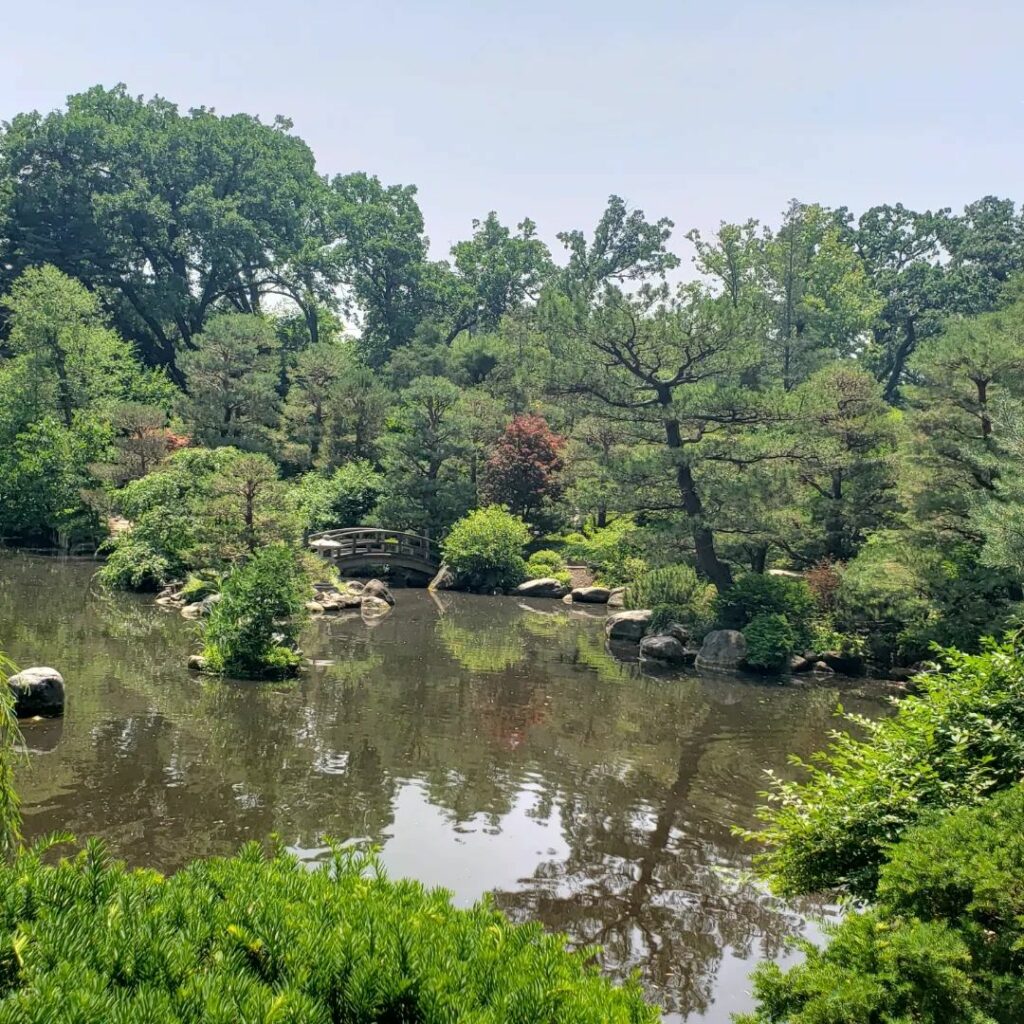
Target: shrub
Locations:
point(943, 945)
point(343, 499)
point(252, 630)
point(485, 549)
point(674, 584)
point(261, 938)
point(665, 615)
point(755, 594)
point(199, 586)
point(770, 641)
point(959, 740)
point(547, 563)
point(135, 563)
point(614, 552)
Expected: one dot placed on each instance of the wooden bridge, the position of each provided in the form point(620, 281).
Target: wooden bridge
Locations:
point(363, 546)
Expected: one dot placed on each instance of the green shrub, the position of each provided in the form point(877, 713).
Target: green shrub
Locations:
point(262, 938)
point(665, 615)
point(755, 594)
point(199, 586)
point(343, 499)
point(546, 563)
point(943, 945)
point(959, 740)
point(135, 564)
point(252, 630)
point(674, 584)
point(770, 641)
point(615, 552)
point(485, 549)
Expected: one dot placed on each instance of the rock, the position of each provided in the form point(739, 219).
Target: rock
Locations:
point(844, 664)
point(679, 631)
point(193, 611)
point(354, 586)
point(373, 606)
point(196, 663)
point(591, 595)
point(662, 648)
point(333, 601)
point(723, 650)
point(799, 664)
point(314, 608)
point(629, 625)
point(444, 580)
point(546, 586)
point(378, 589)
point(37, 691)
point(617, 597)
point(207, 603)
point(822, 668)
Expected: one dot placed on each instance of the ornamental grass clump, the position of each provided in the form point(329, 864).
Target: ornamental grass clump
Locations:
point(953, 744)
point(259, 937)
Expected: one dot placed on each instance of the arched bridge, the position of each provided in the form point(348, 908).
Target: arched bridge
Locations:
point(363, 546)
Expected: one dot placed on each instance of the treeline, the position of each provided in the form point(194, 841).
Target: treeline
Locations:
point(839, 394)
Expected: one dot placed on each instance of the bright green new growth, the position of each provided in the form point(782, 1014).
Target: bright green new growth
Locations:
point(770, 641)
point(547, 563)
point(252, 630)
point(961, 739)
point(943, 945)
point(485, 549)
point(257, 938)
point(677, 585)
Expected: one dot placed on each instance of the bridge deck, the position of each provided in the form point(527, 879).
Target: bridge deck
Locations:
point(361, 545)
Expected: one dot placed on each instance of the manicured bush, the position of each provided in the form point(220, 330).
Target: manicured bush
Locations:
point(943, 945)
point(485, 549)
point(615, 552)
point(547, 563)
point(756, 594)
point(673, 584)
point(770, 641)
point(252, 630)
point(135, 563)
point(262, 938)
point(959, 740)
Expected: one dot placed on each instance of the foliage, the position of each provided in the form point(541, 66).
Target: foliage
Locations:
point(754, 594)
point(485, 549)
point(523, 466)
point(943, 943)
point(342, 499)
point(957, 741)
point(262, 938)
point(547, 563)
point(11, 743)
point(252, 630)
point(198, 586)
point(665, 615)
point(613, 551)
point(677, 585)
point(770, 641)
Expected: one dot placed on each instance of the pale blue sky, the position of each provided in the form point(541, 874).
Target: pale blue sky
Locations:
point(697, 111)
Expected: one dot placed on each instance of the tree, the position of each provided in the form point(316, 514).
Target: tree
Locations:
point(231, 377)
point(426, 485)
point(249, 506)
point(169, 216)
point(523, 467)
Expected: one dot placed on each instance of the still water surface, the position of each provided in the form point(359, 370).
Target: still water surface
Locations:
point(485, 745)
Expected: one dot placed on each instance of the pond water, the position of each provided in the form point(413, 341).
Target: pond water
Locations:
point(485, 745)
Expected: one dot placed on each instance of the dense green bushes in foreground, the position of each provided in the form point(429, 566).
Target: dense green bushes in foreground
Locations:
point(944, 943)
point(257, 938)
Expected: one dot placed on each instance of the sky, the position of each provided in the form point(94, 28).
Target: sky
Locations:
point(698, 111)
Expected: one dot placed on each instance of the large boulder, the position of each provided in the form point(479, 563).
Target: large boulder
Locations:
point(373, 607)
point(378, 589)
point(591, 595)
point(546, 586)
point(629, 625)
point(336, 601)
point(663, 647)
point(37, 691)
point(723, 650)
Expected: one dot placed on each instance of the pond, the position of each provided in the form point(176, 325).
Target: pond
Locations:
point(483, 744)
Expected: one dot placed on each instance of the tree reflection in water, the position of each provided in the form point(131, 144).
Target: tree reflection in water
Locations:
point(483, 742)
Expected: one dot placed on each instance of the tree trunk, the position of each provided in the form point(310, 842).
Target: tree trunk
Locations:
point(708, 562)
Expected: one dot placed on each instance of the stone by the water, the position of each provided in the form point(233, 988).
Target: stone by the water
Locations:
point(723, 650)
point(591, 595)
point(629, 625)
point(546, 586)
point(37, 691)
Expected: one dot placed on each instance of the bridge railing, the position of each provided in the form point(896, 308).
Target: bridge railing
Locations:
point(361, 542)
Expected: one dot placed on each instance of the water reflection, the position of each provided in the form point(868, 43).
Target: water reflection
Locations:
point(484, 745)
